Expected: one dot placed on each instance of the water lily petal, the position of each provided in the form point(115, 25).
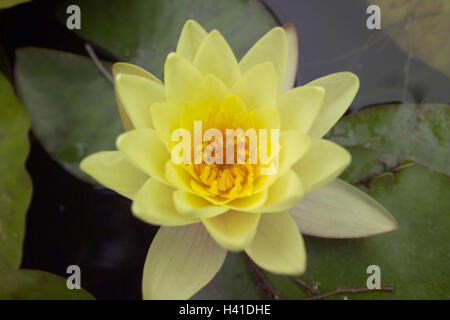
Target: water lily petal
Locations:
point(178, 177)
point(272, 47)
point(180, 261)
point(181, 79)
point(294, 146)
point(292, 60)
point(233, 230)
point(134, 70)
point(192, 205)
point(257, 87)
point(137, 94)
point(166, 119)
point(190, 38)
point(211, 92)
point(145, 150)
point(154, 204)
point(340, 89)
point(263, 182)
point(215, 56)
point(299, 107)
point(324, 161)
point(235, 106)
point(285, 193)
point(249, 204)
point(266, 118)
point(111, 169)
point(130, 69)
point(278, 245)
point(340, 210)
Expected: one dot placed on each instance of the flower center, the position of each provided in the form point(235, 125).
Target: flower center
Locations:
point(233, 175)
point(228, 153)
point(226, 180)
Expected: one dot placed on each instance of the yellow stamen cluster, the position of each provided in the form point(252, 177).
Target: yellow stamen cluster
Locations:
point(228, 181)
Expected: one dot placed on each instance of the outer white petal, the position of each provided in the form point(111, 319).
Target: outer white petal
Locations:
point(340, 210)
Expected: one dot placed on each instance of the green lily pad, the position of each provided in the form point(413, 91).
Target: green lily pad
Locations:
point(4, 4)
point(15, 183)
point(420, 28)
point(382, 137)
point(413, 259)
point(37, 285)
point(144, 32)
point(72, 104)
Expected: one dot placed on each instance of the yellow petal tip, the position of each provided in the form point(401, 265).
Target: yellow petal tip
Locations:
point(120, 139)
point(288, 25)
point(118, 77)
point(191, 21)
point(318, 89)
point(172, 56)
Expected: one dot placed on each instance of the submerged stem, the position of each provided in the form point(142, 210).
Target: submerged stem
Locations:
point(97, 62)
point(348, 290)
point(263, 287)
point(310, 291)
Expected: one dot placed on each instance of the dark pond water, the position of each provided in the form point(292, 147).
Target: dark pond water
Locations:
point(71, 222)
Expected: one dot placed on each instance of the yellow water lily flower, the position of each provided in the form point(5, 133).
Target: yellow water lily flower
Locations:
point(205, 209)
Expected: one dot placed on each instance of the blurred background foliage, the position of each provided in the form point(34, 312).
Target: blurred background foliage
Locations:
point(420, 28)
point(4, 4)
point(398, 131)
